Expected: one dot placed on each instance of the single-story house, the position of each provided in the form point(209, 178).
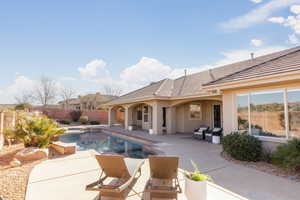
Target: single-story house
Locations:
point(260, 95)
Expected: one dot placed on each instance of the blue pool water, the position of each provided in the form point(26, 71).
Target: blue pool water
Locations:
point(104, 143)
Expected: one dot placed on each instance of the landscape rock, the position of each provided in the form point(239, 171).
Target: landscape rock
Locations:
point(32, 153)
point(15, 163)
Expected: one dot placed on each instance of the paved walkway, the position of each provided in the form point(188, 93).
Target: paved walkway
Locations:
point(65, 178)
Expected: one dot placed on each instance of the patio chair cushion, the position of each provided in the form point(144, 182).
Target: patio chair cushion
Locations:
point(198, 133)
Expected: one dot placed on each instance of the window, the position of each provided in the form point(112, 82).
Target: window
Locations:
point(270, 113)
point(195, 111)
point(267, 114)
point(293, 98)
point(242, 112)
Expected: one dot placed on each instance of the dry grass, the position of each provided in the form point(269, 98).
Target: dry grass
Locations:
point(13, 181)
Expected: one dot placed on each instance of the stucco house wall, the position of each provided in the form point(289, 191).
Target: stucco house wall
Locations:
point(184, 124)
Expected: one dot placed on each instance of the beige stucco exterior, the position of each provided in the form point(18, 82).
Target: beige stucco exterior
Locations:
point(177, 114)
point(177, 111)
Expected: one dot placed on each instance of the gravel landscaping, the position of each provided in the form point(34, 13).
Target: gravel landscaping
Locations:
point(13, 181)
point(267, 168)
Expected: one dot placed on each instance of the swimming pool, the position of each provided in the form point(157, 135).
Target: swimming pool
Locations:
point(105, 143)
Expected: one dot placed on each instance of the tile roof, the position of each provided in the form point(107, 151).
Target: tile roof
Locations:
point(279, 62)
point(285, 61)
point(145, 92)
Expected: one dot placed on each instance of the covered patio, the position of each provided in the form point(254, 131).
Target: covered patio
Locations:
point(170, 117)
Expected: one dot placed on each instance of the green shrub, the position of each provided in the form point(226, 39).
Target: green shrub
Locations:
point(84, 120)
point(64, 121)
point(242, 147)
point(35, 130)
point(94, 122)
point(288, 155)
point(75, 115)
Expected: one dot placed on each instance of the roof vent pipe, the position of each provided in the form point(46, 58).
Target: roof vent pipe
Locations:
point(252, 56)
point(185, 72)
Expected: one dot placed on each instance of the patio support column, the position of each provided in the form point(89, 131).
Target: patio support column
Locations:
point(171, 120)
point(128, 117)
point(157, 119)
point(111, 116)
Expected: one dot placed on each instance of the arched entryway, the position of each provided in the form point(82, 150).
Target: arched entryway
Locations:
point(116, 116)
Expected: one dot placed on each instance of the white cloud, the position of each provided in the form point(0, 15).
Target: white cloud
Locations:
point(293, 39)
point(295, 9)
point(256, 1)
point(91, 70)
point(257, 15)
point(278, 20)
point(20, 84)
point(256, 43)
point(145, 71)
point(67, 78)
point(294, 23)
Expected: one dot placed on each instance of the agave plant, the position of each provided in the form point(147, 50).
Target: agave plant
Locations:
point(196, 175)
point(35, 130)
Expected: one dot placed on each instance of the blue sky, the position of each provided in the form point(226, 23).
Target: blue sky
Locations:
point(126, 44)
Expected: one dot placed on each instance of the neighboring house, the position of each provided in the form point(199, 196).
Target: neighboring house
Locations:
point(72, 104)
point(262, 91)
point(87, 102)
point(7, 106)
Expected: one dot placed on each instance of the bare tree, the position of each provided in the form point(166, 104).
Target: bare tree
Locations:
point(114, 91)
point(45, 91)
point(25, 97)
point(66, 94)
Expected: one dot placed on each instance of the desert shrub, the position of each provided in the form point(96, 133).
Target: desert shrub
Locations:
point(23, 106)
point(64, 121)
point(242, 147)
point(75, 115)
point(84, 120)
point(266, 155)
point(94, 122)
point(288, 155)
point(35, 130)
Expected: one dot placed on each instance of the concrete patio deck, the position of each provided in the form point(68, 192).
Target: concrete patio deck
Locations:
point(66, 178)
point(71, 175)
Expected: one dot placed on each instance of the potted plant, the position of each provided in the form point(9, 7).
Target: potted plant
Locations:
point(130, 128)
point(195, 184)
point(151, 131)
point(216, 138)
